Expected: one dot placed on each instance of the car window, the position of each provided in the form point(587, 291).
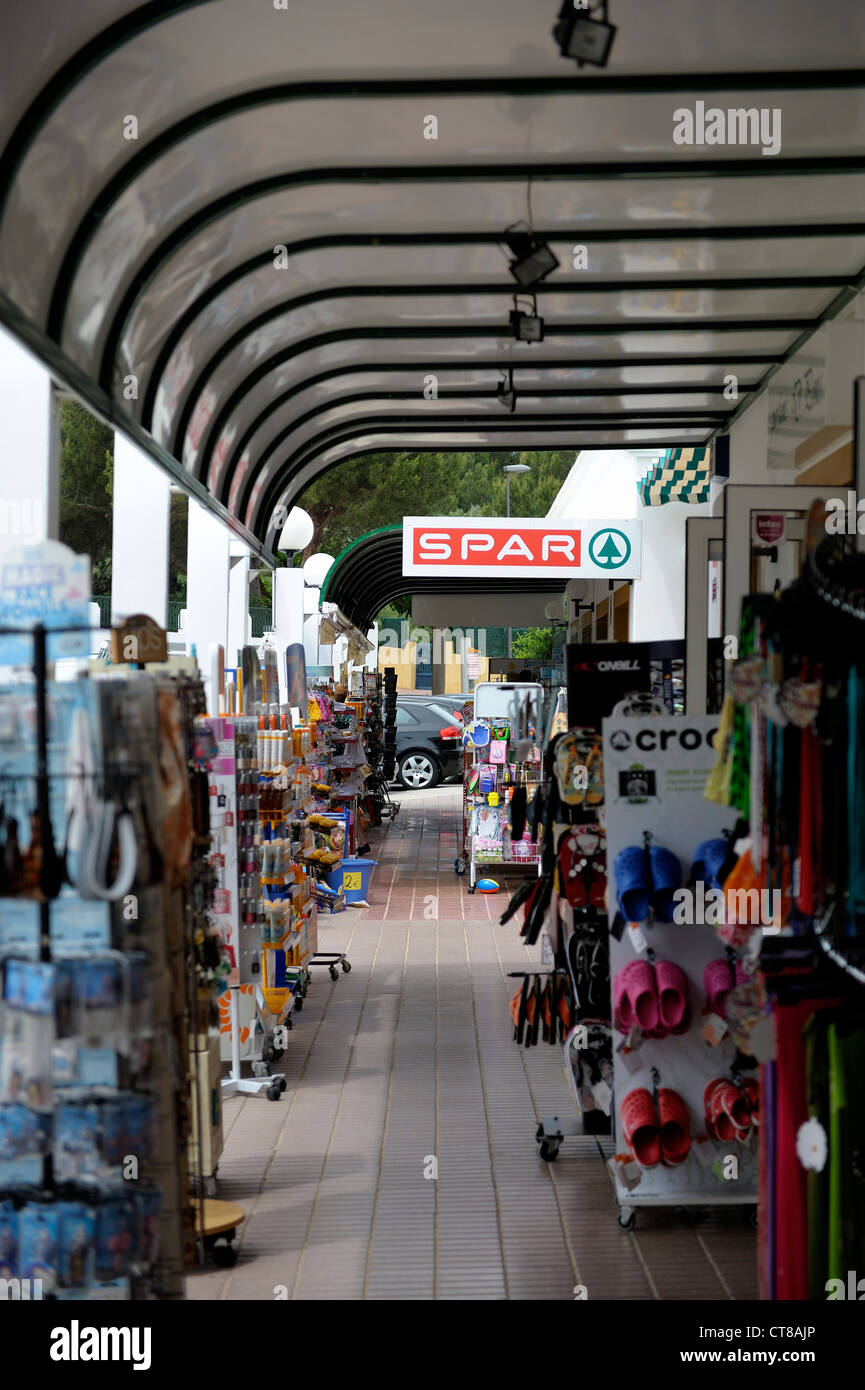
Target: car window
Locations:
point(403, 716)
point(448, 715)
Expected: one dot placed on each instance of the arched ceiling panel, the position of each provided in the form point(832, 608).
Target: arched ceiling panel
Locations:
point(148, 260)
point(265, 495)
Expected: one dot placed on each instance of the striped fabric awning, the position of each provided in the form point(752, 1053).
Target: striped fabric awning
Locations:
point(681, 475)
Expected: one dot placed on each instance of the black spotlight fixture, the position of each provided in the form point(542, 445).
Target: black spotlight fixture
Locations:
point(533, 258)
point(528, 327)
point(506, 395)
point(583, 33)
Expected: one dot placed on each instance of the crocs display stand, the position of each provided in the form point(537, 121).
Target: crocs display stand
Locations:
point(656, 769)
point(491, 773)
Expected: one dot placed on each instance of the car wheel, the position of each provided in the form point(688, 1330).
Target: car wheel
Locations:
point(418, 771)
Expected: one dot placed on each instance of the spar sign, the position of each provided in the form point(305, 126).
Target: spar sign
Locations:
point(520, 547)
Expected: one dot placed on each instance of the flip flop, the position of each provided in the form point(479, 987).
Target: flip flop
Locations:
point(673, 1003)
point(598, 883)
point(595, 766)
point(640, 1127)
point(666, 874)
point(709, 859)
point(718, 982)
point(634, 993)
point(632, 887)
point(571, 862)
point(675, 1128)
point(568, 763)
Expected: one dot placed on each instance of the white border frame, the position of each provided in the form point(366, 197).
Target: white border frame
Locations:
point(740, 500)
point(700, 533)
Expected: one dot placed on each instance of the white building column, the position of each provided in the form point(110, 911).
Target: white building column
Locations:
point(30, 456)
point(207, 571)
point(287, 617)
point(139, 535)
point(238, 601)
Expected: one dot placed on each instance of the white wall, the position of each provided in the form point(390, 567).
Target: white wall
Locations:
point(139, 541)
point(29, 459)
point(206, 590)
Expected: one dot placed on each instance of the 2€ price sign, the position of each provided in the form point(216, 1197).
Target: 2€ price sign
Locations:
point(351, 882)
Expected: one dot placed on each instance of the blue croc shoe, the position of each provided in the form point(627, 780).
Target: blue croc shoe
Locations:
point(666, 878)
point(632, 885)
point(709, 859)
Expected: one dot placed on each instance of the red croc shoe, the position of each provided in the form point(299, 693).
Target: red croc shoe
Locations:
point(641, 1127)
point(675, 1128)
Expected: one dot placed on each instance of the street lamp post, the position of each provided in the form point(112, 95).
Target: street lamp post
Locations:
point(509, 469)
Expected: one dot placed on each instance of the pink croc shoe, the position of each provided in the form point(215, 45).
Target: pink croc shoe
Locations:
point(635, 998)
point(674, 1009)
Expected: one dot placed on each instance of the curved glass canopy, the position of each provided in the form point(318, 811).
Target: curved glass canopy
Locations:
point(264, 239)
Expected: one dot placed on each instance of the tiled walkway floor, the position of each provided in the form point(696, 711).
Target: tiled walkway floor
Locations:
point(409, 1061)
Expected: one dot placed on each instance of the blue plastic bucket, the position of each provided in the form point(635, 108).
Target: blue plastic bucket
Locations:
point(352, 876)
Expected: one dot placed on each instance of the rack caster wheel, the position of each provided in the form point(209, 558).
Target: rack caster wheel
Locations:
point(274, 1091)
point(333, 972)
point(346, 968)
point(224, 1255)
point(471, 888)
point(539, 1133)
point(627, 1220)
point(298, 1003)
point(282, 1083)
point(459, 868)
point(549, 1150)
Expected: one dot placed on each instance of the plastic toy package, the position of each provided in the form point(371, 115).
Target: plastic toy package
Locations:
point(29, 1034)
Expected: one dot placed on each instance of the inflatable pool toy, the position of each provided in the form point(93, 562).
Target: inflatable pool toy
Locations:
point(487, 885)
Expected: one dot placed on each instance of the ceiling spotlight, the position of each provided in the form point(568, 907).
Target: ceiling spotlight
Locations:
point(506, 395)
point(582, 37)
point(528, 328)
point(533, 258)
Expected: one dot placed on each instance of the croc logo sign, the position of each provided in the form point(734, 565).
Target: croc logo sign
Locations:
point(520, 547)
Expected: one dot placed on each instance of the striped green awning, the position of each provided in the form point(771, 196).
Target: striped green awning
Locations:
point(681, 475)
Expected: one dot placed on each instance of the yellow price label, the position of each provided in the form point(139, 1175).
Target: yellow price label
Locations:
point(351, 881)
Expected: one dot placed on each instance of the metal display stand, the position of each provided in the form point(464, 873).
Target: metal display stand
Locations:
point(493, 706)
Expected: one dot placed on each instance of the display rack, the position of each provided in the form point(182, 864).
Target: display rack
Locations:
point(94, 1070)
point(491, 772)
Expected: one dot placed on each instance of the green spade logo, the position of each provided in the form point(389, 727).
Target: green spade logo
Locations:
point(609, 549)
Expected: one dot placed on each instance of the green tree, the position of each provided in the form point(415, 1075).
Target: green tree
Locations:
point(86, 478)
point(362, 494)
point(533, 642)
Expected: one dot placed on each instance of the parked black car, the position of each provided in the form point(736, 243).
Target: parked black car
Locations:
point(429, 746)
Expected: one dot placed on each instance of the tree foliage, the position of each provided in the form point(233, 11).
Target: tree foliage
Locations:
point(86, 478)
point(362, 494)
point(533, 642)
